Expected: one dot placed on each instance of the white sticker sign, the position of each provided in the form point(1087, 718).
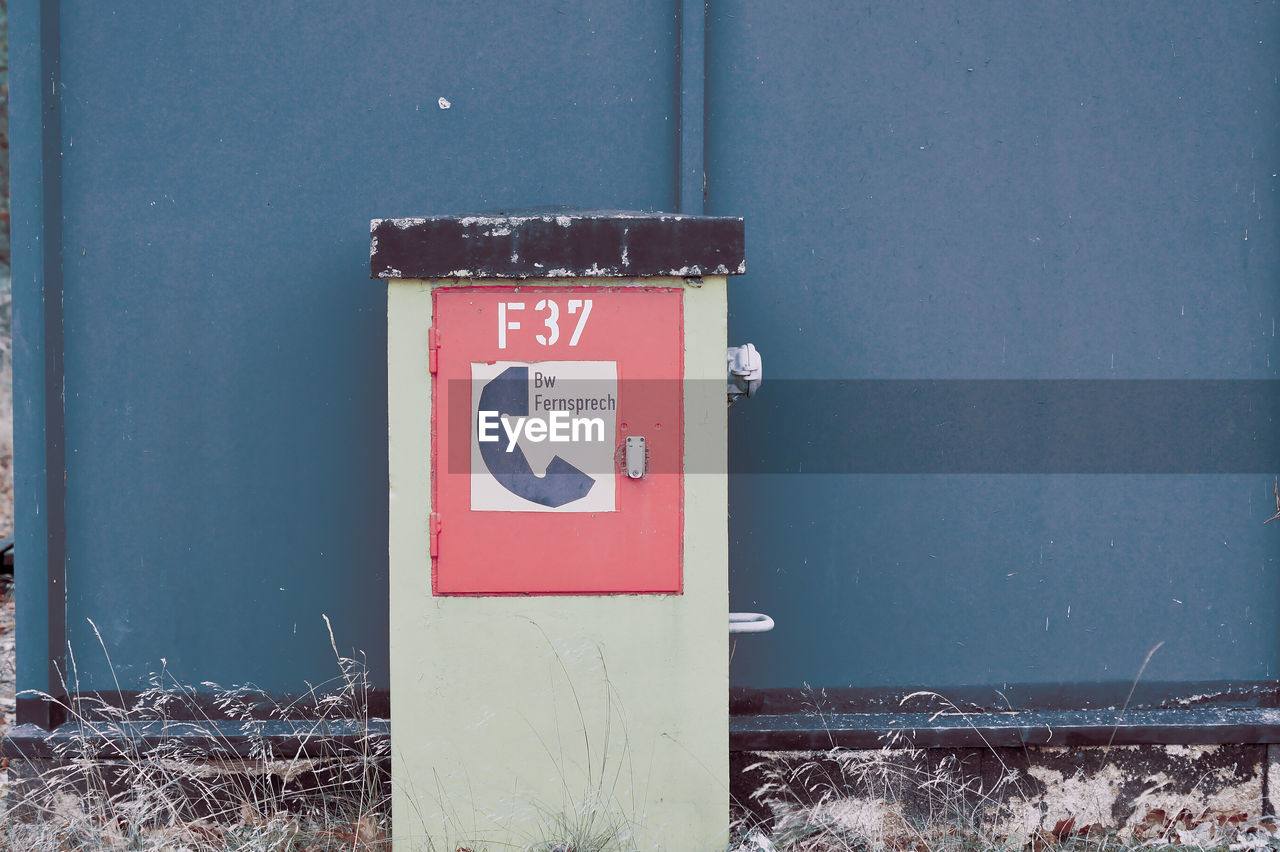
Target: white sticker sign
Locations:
point(543, 436)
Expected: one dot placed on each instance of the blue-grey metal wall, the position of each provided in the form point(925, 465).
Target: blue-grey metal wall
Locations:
point(998, 190)
point(991, 190)
point(206, 201)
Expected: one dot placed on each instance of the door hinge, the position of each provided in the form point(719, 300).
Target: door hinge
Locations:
point(435, 534)
point(433, 349)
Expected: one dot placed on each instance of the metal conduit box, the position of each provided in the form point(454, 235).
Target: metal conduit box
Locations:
point(558, 524)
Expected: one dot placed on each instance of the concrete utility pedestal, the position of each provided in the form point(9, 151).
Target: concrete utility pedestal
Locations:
point(558, 512)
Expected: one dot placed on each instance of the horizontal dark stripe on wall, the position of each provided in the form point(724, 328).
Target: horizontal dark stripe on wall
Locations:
point(1054, 426)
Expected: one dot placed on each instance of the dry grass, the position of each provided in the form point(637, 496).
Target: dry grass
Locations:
point(895, 798)
point(109, 790)
point(903, 799)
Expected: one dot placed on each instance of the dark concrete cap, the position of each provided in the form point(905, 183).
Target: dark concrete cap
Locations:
point(556, 244)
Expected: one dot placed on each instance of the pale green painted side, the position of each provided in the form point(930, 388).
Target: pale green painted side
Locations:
point(516, 719)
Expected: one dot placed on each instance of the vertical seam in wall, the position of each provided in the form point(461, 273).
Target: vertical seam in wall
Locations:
point(691, 68)
point(30, 544)
point(55, 377)
point(40, 483)
point(706, 75)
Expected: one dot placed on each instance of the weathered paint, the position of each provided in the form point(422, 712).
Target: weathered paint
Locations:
point(512, 714)
point(1005, 793)
point(561, 243)
point(1119, 787)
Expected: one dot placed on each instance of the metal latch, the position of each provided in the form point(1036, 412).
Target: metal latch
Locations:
point(635, 459)
point(746, 371)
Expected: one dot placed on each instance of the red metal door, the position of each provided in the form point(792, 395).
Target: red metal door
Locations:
point(535, 391)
